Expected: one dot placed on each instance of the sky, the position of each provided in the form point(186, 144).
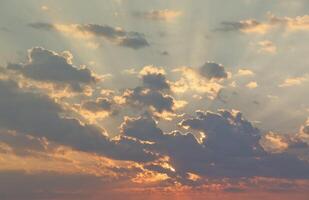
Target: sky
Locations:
point(157, 99)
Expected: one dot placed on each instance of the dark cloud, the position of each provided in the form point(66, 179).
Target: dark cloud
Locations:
point(237, 26)
point(228, 134)
point(147, 97)
point(98, 105)
point(183, 149)
point(153, 93)
point(136, 41)
point(155, 80)
point(212, 70)
point(21, 144)
point(118, 36)
point(164, 53)
point(48, 66)
point(46, 185)
point(230, 149)
point(103, 30)
point(130, 39)
point(237, 151)
point(42, 26)
point(39, 116)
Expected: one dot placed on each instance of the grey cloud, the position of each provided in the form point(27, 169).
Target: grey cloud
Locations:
point(230, 149)
point(236, 26)
point(147, 97)
point(135, 42)
point(39, 116)
point(20, 144)
point(46, 65)
point(156, 81)
point(183, 149)
point(228, 134)
point(103, 30)
point(143, 128)
point(118, 36)
point(124, 38)
point(164, 53)
point(42, 26)
point(212, 70)
point(153, 91)
point(236, 149)
point(305, 129)
point(46, 185)
point(98, 105)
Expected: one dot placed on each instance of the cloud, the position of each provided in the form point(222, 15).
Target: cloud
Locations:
point(293, 81)
point(204, 79)
point(172, 144)
point(20, 144)
point(245, 72)
point(267, 46)
point(31, 113)
point(159, 15)
point(231, 148)
point(303, 134)
point(147, 97)
point(212, 70)
point(48, 66)
point(252, 85)
point(245, 26)
point(235, 144)
point(164, 53)
point(296, 144)
point(42, 26)
point(118, 36)
point(98, 105)
point(299, 23)
point(154, 94)
point(154, 78)
point(274, 143)
point(45, 185)
point(95, 110)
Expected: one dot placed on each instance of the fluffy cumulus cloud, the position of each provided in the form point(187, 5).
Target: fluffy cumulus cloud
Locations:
point(274, 143)
point(154, 92)
point(48, 66)
point(30, 113)
point(147, 97)
point(204, 79)
point(237, 150)
point(231, 148)
point(165, 126)
point(116, 35)
point(295, 143)
point(154, 78)
point(95, 110)
point(303, 134)
point(217, 145)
